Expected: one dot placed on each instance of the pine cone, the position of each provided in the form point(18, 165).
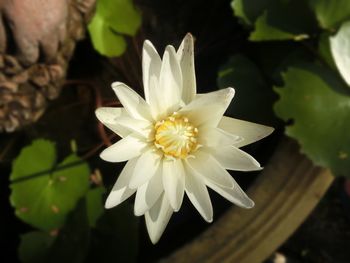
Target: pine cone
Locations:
point(33, 64)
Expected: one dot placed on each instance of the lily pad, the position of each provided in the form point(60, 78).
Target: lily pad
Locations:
point(320, 115)
point(279, 22)
point(112, 20)
point(330, 13)
point(44, 193)
point(253, 94)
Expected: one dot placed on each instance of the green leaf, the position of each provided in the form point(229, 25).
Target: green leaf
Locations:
point(249, 10)
point(72, 243)
point(279, 22)
point(34, 247)
point(44, 200)
point(320, 113)
point(112, 19)
point(252, 96)
point(94, 204)
point(340, 47)
point(324, 49)
point(330, 13)
point(116, 236)
point(121, 15)
point(104, 40)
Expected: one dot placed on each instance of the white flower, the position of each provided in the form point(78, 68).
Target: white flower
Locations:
point(176, 141)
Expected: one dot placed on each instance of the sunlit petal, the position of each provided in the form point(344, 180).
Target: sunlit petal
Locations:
point(157, 218)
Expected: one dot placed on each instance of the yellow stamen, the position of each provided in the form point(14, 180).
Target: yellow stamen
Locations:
point(176, 136)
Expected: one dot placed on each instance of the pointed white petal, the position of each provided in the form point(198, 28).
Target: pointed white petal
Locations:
point(208, 108)
point(174, 182)
point(125, 149)
point(170, 82)
point(185, 55)
point(145, 168)
point(207, 166)
point(232, 158)
point(198, 194)
point(132, 102)
point(235, 195)
point(148, 193)
point(151, 64)
point(120, 191)
point(249, 131)
point(157, 218)
point(155, 99)
point(108, 117)
point(141, 127)
point(215, 137)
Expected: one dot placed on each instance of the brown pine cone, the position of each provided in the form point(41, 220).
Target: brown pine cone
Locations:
point(37, 39)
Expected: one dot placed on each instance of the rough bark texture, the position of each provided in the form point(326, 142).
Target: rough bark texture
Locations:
point(37, 39)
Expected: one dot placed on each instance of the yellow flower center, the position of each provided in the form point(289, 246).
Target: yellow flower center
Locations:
point(176, 136)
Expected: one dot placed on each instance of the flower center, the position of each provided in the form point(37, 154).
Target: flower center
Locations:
point(176, 136)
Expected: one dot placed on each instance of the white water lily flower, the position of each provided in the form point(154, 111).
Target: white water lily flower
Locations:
point(176, 141)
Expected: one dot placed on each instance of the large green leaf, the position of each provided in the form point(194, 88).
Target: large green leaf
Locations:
point(320, 113)
point(34, 247)
point(249, 10)
point(252, 92)
point(340, 47)
point(94, 204)
point(105, 41)
point(121, 15)
point(44, 200)
point(72, 242)
point(330, 13)
point(112, 19)
point(280, 22)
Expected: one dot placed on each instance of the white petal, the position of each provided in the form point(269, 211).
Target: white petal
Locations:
point(155, 100)
point(151, 64)
point(249, 131)
point(170, 82)
point(235, 159)
point(132, 102)
point(198, 194)
point(235, 195)
point(120, 191)
point(108, 117)
point(185, 55)
point(207, 166)
point(125, 149)
point(141, 127)
point(174, 182)
point(148, 193)
point(215, 137)
point(157, 218)
point(208, 108)
point(145, 168)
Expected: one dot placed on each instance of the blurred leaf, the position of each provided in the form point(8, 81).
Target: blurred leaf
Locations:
point(249, 10)
point(120, 15)
point(94, 204)
point(72, 243)
point(320, 114)
point(330, 13)
point(116, 236)
point(253, 95)
point(280, 22)
point(112, 19)
point(105, 41)
point(340, 47)
point(34, 247)
point(44, 200)
point(324, 49)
